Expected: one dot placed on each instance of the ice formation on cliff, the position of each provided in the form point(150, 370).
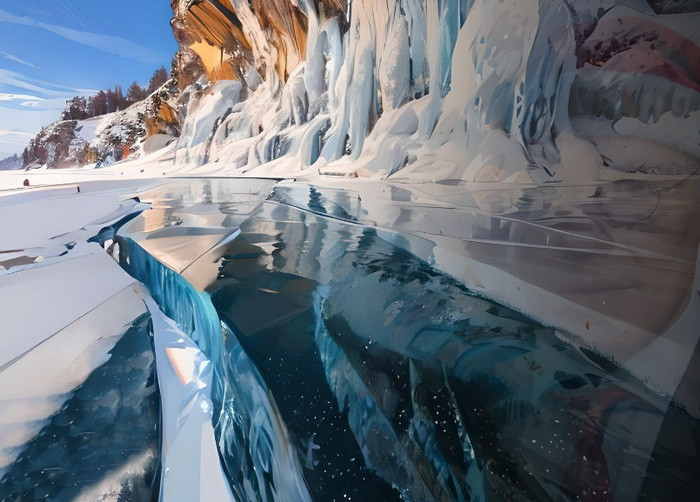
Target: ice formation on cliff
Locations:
point(450, 89)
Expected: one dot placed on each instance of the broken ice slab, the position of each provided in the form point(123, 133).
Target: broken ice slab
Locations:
point(79, 408)
point(190, 217)
point(34, 219)
point(202, 202)
point(79, 412)
point(17, 258)
point(190, 466)
point(46, 297)
point(47, 223)
point(252, 440)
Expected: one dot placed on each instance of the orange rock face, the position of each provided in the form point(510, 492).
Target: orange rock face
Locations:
point(232, 38)
point(164, 119)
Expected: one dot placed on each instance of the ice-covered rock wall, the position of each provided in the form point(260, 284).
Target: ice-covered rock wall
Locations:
point(441, 89)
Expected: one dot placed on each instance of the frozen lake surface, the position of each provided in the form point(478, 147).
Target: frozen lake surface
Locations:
point(361, 342)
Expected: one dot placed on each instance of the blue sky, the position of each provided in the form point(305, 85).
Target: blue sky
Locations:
point(51, 50)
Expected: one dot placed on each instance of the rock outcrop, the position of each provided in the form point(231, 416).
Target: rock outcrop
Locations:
point(473, 90)
point(248, 41)
point(57, 145)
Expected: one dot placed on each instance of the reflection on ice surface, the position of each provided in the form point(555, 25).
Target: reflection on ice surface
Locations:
point(189, 217)
point(348, 367)
point(599, 237)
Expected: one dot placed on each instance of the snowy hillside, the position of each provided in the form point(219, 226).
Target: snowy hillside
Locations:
point(103, 140)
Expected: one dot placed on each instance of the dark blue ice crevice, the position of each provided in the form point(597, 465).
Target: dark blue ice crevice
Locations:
point(251, 438)
point(109, 231)
point(190, 309)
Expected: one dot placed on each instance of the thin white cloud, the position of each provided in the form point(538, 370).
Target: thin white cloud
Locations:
point(112, 45)
point(11, 57)
point(40, 103)
point(19, 97)
point(40, 87)
point(18, 124)
point(6, 132)
point(13, 142)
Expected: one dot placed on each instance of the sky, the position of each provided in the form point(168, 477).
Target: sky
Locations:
point(52, 50)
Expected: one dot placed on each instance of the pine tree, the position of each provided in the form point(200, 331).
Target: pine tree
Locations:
point(112, 100)
point(97, 104)
point(135, 93)
point(160, 76)
point(76, 109)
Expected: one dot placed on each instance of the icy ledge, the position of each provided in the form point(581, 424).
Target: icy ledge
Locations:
point(251, 437)
point(185, 382)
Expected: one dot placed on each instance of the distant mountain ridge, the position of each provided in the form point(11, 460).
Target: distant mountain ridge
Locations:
point(10, 163)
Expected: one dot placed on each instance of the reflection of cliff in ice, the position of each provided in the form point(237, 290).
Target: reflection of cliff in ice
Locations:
point(331, 341)
point(345, 365)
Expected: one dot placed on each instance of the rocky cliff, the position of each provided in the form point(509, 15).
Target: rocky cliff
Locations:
point(11, 163)
point(420, 89)
point(475, 90)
